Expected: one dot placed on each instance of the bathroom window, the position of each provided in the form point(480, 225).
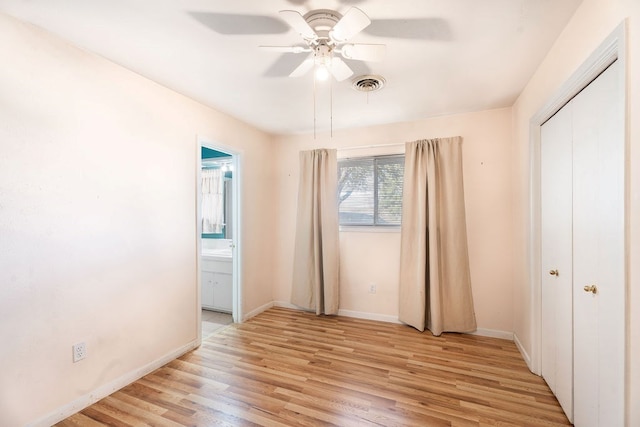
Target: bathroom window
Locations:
point(370, 191)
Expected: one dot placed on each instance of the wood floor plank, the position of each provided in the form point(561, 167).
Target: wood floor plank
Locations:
point(144, 411)
point(80, 420)
point(286, 367)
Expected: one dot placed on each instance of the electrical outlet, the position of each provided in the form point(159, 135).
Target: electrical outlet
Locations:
point(372, 288)
point(79, 352)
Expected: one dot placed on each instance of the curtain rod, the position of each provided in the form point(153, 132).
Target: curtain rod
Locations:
point(362, 147)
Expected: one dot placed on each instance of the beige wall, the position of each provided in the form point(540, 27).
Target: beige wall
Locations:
point(98, 222)
point(369, 257)
point(592, 23)
point(96, 160)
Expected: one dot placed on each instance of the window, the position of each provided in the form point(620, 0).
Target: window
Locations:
point(370, 190)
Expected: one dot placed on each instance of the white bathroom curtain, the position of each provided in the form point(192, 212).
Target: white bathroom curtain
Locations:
point(316, 259)
point(212, 200)
point(435, 282)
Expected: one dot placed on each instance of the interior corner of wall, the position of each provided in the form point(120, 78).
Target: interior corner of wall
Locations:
point(523, 352)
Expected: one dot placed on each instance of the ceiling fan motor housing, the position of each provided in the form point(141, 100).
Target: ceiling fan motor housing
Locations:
point(322, 21)
point(322, 54)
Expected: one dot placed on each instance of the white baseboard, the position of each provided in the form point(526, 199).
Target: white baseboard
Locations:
point(492, 333)
point(284, 304)
point(369, 316)
point(257, 311)
point(523, 352)
point(109, 388)
point(346, 313)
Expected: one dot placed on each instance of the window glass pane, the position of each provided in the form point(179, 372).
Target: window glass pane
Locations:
point(370, 190)
point(356, 191)
point(390, 173)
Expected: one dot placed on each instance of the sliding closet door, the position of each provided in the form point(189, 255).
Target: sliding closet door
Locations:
point(599, 252)
point(556, 257)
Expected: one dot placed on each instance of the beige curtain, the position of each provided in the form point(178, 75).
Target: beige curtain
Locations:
point(435, 285)
point(316, 258)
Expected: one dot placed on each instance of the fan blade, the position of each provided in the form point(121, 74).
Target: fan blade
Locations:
point(286, 49)
point(303, 68)
point(363, 52)
point(297, 22)
point(351, 24)
point(339, 69)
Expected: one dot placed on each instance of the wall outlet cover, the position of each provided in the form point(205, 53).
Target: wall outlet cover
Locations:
point(79, 352)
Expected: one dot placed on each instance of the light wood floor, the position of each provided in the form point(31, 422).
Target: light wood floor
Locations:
point(287, 368)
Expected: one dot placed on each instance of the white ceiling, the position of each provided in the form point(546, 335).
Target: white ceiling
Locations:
point(442, 56)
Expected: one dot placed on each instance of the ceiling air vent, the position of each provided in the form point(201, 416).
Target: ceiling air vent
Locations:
point(368, 83)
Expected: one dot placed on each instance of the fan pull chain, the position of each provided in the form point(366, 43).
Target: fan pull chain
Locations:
point(331, 104)
point(314, 107)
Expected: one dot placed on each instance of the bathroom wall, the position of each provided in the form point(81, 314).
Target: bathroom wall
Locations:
point(373, 257)
point(98, 222)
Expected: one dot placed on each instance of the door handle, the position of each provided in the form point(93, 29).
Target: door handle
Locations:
point(554, 273)
point(591, 288)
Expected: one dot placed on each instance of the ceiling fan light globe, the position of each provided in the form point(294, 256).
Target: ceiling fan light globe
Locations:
point(322, 73)
point(323, 60)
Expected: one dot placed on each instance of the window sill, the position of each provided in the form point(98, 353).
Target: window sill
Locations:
point(369, 229)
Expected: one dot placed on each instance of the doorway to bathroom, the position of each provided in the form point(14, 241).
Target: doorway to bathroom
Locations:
point(218, 234)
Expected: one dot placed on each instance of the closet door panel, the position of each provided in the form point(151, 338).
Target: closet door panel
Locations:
point(556, 257)
point(598, 240)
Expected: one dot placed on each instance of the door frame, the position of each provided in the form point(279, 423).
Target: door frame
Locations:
point(236, 228)
point(612, 49)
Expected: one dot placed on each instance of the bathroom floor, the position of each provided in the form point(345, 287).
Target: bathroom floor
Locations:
point(214, 320)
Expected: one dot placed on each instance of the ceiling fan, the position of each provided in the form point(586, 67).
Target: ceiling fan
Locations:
point(326, 34)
